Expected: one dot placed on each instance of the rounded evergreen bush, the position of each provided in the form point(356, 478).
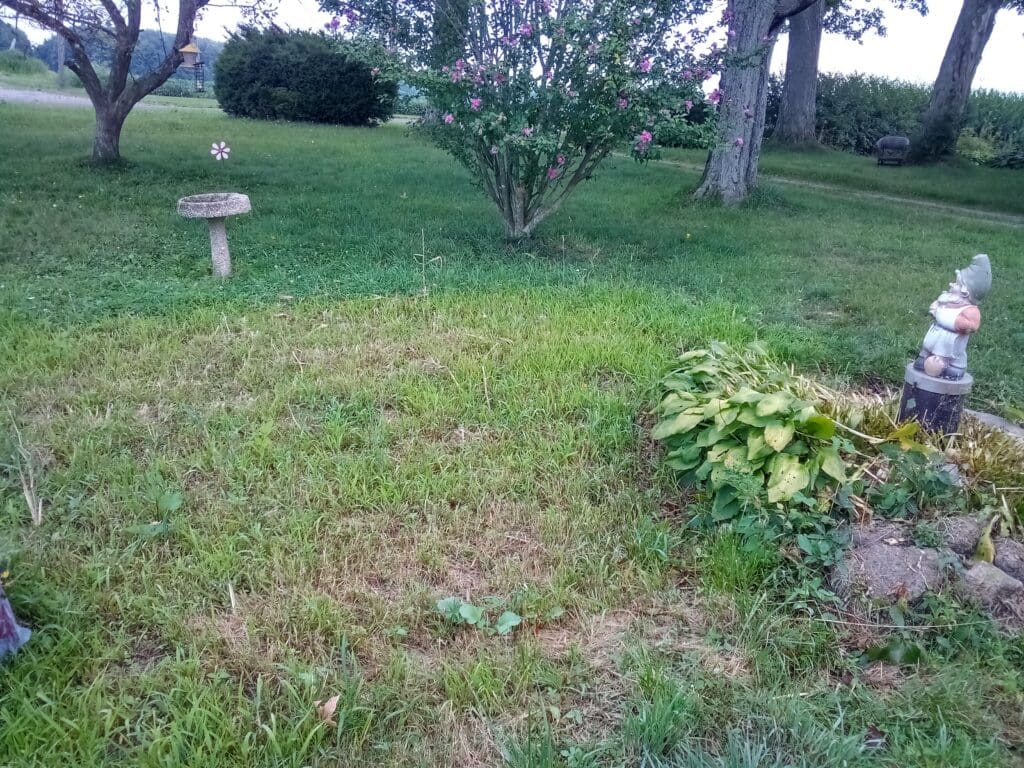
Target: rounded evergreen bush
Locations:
point(276, 75)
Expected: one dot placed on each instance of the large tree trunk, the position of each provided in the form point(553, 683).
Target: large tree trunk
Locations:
point(795, 124)
point(731, 169)
point(106, 147)
point(943, 119)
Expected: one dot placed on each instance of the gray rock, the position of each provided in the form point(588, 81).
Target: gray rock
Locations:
point(960, 533)
point(1000, 594)
point(880, 531)
point(1010, 558)
point(890, 572)
point(997, 422)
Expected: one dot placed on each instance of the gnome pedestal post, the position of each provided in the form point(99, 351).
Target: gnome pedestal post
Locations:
point(936, 404)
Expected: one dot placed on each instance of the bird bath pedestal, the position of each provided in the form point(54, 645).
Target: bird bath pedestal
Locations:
point(215, 207)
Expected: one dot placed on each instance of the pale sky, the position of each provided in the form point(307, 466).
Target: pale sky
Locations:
point(912, 50)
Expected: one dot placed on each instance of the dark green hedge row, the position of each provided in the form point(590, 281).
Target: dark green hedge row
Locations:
point(276, 75)
point(854, 111)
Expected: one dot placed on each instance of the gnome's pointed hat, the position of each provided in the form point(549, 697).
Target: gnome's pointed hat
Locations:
point(977, 277)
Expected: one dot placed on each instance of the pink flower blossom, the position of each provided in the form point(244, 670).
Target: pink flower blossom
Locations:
point(644, 65)
point(375, 71)
point(646, 137)
point(220, 150)
point(715, 96)
point(474, 104)
point(449, 118)
point(527, 131)
point(687, 74)
point(623, 103)
point(560, 159)
point(689, 105)
point(552, 173)
point(525, 29)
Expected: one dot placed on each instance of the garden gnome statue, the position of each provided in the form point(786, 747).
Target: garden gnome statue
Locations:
point(12, 635)
point(937, 382)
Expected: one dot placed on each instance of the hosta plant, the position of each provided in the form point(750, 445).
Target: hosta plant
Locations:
point(737, 422)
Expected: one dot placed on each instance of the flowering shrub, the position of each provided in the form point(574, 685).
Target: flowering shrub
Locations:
point(548, 88)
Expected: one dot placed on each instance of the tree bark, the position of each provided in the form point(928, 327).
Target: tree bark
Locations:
point(731, 167)
point(943, 118)
point(106, 147)
point(797, 110)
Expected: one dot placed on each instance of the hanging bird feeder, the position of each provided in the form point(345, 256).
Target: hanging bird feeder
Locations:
point(194, 61)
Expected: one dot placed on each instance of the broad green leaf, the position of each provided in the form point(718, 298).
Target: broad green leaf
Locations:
point(449, 607)
point(471, 614)
point(677, 425)
point(788, 477)
point(818, 426)
point(904, 432)
point(774, 403)
point(757, 448)
point(713, 406)
point(778, 435)
point(725, 417)
point(832, 464)
point(749, 417)
point(746, 396)
point(735, 459)
point(507, 622)
point(694, 354)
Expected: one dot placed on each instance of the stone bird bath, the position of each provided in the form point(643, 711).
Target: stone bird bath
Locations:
point(215, 207)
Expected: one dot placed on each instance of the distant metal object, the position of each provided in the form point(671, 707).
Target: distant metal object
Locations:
point(892, 150)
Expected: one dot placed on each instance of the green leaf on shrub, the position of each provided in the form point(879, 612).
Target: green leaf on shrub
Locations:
point(788, 477)
point(774, 403)
point(832, 464)
point(778, 435)
point(818, 426)
point(677, 425)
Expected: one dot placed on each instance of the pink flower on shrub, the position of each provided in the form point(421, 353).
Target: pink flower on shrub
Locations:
point(715, 96)
point(375, 71)
point(644, 65)
point(525, 29)
point(449, 118)
point(623, 103)
point(560, 159)
point(474, 104)
point(688, 104)
point(552, 173)
point(527, 131)
point(646, 137)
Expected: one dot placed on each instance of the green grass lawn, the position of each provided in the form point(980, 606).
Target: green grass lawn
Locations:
point(956, 182)
point(388, 405)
